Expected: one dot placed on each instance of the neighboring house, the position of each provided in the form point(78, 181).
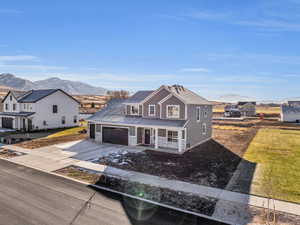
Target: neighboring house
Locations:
point(38, 110)
point(290, 112)
point(247, 108)
point(170, 117)
point(232, 111)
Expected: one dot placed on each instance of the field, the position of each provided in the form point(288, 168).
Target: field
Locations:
point(277, 155)
point(259, 109)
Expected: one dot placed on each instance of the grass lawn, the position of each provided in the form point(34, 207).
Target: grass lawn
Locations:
point(277, 154)
point(67, 132)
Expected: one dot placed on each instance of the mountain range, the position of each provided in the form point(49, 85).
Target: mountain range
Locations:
point(71, 87)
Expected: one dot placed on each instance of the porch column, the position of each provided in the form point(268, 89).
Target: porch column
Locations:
point(179, 140)
point(156, 138)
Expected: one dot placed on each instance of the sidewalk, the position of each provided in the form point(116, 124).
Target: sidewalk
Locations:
point(232, 205)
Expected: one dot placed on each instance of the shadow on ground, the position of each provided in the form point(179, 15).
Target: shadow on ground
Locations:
point(143, 213)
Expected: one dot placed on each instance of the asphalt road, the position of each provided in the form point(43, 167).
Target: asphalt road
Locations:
point(31, 197)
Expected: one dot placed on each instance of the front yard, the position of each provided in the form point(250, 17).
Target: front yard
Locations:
point(277, 154)
point(212, 163)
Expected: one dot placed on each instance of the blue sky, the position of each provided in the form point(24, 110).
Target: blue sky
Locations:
point(213, 47)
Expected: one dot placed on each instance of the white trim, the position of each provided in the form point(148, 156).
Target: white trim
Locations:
point(154, 114)
point(172, 117)
point(165, 98)
point(154, 93)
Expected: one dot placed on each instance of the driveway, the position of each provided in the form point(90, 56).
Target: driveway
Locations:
point(90, 151)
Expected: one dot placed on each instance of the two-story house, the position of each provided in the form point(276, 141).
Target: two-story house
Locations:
point(39, 110)
point(171, 117)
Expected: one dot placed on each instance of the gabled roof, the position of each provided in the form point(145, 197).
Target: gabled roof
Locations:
point(35, 95)
point(114, 114)
point(16, 94)
point(244, 103)
point(138, 97)
point(186, 95)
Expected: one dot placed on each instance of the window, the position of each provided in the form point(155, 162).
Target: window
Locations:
point(63, 120)
point(10, 98)
point(205, 114)
point(183, 134)
point(54, 108)
point(204, 128)
point(172, 136)
point(45, 123)
point(198, 114)
point(151, 110)
point(24, 106)
point(173, 111)
point(14, 107)
point(75, 119)
point(134, 110)
point(6, 106)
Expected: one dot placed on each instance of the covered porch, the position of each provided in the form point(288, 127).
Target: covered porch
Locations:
point(161, 138)
point(16, 121)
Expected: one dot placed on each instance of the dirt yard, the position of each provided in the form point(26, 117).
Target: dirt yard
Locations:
point(212, 163)
point(42, 142)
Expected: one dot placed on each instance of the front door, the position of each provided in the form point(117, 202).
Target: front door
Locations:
point(92, 131)
point(147, 137)
point(29, 121)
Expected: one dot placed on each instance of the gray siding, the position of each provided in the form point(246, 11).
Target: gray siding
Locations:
point(194, 128)
point(127, 109)
point(154, 101)
point(173, 101)
point(140, 110)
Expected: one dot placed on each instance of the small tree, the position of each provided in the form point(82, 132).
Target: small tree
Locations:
point(122, 94)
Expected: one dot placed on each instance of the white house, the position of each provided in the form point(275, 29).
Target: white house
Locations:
point(38, 110)
point(290, 111)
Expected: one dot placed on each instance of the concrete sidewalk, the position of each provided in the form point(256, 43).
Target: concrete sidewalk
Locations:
point(232, 205)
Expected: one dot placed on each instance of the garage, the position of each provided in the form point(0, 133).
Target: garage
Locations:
point(7, 122)
point(115, 135)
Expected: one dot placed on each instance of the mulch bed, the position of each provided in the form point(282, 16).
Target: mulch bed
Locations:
point(211, 163)
point(42, 142)
point(79, 174)
point(8, 154)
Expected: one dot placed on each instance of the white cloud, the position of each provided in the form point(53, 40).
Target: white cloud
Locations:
point(195, 70)
point(13, 58)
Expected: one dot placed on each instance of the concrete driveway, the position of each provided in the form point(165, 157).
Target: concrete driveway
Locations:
point(90, 151)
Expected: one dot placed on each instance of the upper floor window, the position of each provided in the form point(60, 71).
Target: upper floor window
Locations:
point(10, 98)
point(14, 107)
point(6, 106)
point(198, 114)
point(134, 110)
point(54, 108)
point(205, 114)
point(24, 106)
point(75, 119)
point(173, 111)
point(151, 110)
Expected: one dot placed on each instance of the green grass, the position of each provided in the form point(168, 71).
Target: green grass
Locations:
point(277, 154)
point(67, 132)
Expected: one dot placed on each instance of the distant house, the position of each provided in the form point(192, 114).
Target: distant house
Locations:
point(232, 111)
point(290, 112)
point(171, 117)
point(39, 109)
point(247, 108)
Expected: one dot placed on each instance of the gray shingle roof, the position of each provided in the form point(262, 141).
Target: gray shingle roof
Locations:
point(23, 114)
point(114, 114)
point(187, 95)
point(35, 95)
point(138, 97)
